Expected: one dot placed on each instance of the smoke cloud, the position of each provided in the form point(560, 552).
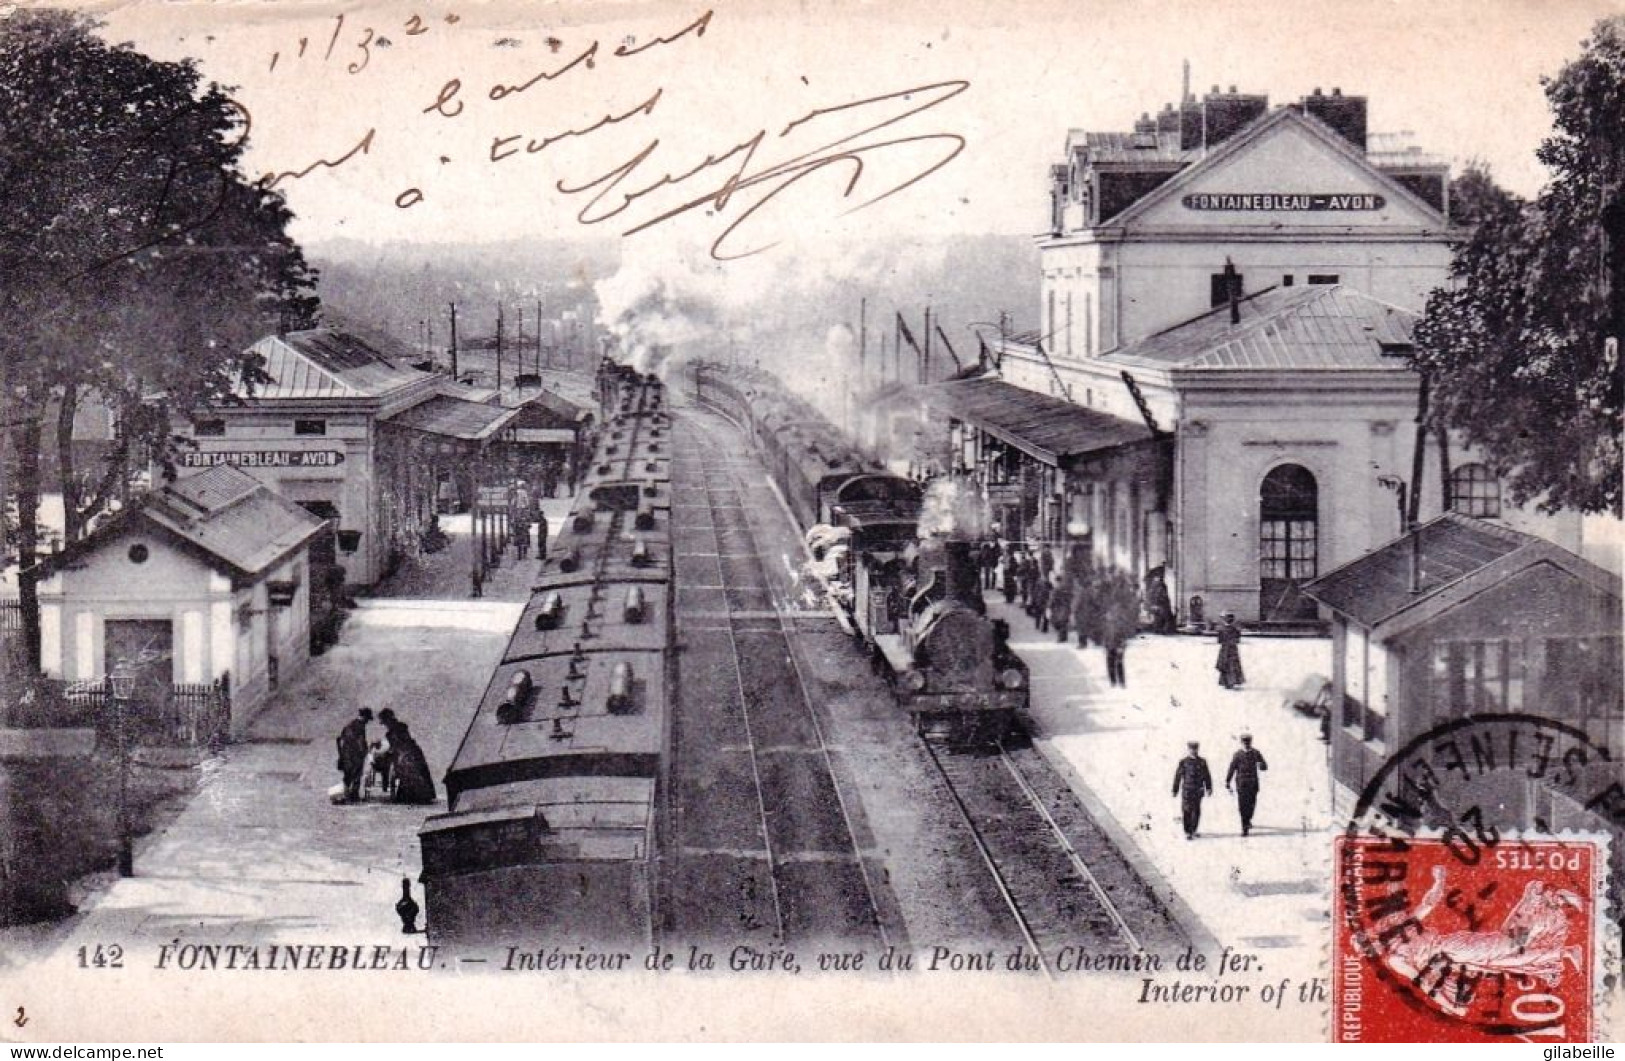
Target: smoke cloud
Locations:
point(799, 312)
point(952, 509)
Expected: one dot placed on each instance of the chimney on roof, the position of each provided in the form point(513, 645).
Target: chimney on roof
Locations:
point(1145, 132)
point(1345, 114)
point(1225, 114)
point(1168, 119)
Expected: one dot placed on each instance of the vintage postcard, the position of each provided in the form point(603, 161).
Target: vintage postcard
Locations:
point(764, 520)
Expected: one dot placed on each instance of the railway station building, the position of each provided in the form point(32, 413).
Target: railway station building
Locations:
point(1219, 385)
point(345, 428)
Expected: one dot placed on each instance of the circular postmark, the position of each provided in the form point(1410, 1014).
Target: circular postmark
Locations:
point(1458, 889)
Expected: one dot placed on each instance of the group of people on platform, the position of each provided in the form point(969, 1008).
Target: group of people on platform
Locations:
point(1100, 605)
point(394, 765)
point(1071, 595)
point(1106, 606)
point(525, 517)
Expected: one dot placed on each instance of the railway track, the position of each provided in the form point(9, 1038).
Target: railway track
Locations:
point(1061, 879)
point(803, 838)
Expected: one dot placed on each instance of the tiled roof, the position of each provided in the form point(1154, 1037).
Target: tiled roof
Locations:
point(453, 418)
point(1046, 427)
point(1317, 327)
point(232, 516)
point(1377, 586)
point(323, 363)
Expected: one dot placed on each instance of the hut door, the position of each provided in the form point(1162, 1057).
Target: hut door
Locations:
point(1288, 543)
point(148, 645)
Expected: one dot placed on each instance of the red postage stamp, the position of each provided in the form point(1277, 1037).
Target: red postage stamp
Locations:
point(1436, 943)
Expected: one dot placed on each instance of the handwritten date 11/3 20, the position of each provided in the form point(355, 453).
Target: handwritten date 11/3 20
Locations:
point(358, 46)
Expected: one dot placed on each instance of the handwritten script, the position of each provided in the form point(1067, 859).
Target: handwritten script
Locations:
point(866, 148)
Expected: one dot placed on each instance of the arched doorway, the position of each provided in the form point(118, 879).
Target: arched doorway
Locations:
point(1288, 543)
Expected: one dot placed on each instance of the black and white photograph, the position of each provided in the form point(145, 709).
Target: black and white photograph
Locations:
point(631, 520)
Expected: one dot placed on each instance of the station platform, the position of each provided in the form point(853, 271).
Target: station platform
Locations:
point(1119, 747)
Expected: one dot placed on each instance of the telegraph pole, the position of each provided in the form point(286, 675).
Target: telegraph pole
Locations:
point(454, 342)
point(499, 348)
point(925, 355)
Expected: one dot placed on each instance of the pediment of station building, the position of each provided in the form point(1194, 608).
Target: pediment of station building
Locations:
point(1286, 171)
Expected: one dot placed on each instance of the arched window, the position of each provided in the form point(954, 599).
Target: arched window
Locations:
point(1288, 542)
point(1475, 491)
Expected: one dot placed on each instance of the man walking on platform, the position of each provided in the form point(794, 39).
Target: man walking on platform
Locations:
point(541, 535)
point(1040, 601)
point(1192, 784)
point(1244, 769)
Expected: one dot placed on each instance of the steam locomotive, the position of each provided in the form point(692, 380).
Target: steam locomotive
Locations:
point(916, 603)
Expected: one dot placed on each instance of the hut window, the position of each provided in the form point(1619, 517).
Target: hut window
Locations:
point(1474, 676)
point(1581, 682)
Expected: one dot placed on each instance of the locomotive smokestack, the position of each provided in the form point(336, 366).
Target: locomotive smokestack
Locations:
point(963, 576)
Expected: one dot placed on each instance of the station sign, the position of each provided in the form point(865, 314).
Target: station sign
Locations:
point(1290, 202)
point(265, 458)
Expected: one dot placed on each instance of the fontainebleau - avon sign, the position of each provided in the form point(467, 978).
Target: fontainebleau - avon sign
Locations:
point(1289, 201)
point(265, 458)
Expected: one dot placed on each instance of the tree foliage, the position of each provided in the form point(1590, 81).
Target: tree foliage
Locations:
point(1515, 347)
point(137, 262)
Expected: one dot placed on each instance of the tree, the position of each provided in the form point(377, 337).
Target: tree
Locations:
point(1517, 349)
point(137, 262)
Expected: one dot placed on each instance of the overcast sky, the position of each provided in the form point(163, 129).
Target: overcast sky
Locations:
point(1463, 75)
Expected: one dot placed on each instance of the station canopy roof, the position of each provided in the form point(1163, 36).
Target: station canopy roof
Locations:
point(1047, 428)
point(553, 402)
point(454, 418)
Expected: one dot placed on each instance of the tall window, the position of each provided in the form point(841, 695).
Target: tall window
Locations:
point(1475, 491)
point(1069, 324)
point(1288, 507)
point(1476, 676)
point(1581, 683)
point(1288, 543)
point(1354, 643)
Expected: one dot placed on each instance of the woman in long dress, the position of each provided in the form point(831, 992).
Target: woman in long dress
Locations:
point(1229, 664)
point(409, 767)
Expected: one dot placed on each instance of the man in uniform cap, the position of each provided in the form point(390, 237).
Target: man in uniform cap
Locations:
point(1244, 768)
point(1192, 784)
